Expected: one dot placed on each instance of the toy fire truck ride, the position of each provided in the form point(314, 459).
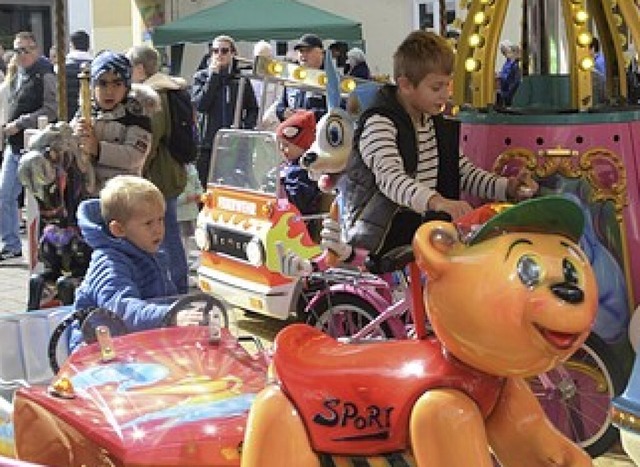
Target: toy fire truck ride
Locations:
point(245, 211)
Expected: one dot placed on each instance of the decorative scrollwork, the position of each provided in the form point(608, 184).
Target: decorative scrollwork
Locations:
point(606, 174)
point(601, 168)
point(518, 157)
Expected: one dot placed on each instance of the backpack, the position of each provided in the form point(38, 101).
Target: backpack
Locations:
point(181, 139)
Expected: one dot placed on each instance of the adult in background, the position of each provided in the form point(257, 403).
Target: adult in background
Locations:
point(32, 93)
point(510, 74)
point(598, 56)
point(357, 64)
point(263, 49)
point(78, 55)
point(161, 167)
point(53, 57)
point(3, 63)
point(12, 69)
point(310, 52)
point(266, 93)
point(214, 94)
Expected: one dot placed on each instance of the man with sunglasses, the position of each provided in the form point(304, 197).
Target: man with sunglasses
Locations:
point(32, 93)
point(214, 94)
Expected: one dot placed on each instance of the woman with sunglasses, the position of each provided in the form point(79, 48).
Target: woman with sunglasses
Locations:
point(214, 94)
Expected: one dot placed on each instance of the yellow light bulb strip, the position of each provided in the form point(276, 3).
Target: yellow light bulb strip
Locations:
point(297, 75)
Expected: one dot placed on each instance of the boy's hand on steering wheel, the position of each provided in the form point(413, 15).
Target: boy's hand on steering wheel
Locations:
point(455, 208)
point(291, 264)
point(331, 239)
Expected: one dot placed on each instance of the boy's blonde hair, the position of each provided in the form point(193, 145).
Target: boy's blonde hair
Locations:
point(421, 53)
point(123, 193)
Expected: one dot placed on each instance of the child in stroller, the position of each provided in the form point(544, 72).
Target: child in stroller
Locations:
point(53, 170)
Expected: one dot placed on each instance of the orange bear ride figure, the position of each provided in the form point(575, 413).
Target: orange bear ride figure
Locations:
point(509, 294)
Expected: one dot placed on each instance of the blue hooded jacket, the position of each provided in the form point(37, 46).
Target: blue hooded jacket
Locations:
point(121, 277)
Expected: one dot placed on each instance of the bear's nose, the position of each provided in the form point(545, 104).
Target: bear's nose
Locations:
point(568, 292)
point(308, 159)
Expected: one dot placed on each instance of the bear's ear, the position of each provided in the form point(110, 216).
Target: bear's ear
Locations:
point(432, 245)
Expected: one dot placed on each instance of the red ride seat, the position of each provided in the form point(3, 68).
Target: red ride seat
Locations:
point(356, 398)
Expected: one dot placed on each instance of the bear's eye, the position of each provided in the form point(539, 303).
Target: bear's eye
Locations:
point(570, 272)
point(529, 271)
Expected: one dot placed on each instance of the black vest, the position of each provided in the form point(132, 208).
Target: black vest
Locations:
point(366, 212)
point(29, 97)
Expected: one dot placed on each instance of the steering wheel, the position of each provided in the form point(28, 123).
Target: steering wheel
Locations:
point(88, 320)
point(203, 302)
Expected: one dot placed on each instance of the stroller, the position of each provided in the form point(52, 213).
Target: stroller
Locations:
point(55, 172)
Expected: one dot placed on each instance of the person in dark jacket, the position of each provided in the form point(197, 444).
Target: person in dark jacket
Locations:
point(77, 57)
point(510, 75)
point(125, 228)
point(310, 51)
point(32, 94)
point(357, 64)
point(214, 94)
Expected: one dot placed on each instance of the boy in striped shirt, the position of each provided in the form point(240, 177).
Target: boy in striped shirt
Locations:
point(406, 164)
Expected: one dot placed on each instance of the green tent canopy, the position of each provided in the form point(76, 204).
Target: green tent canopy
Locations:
point(253, 20)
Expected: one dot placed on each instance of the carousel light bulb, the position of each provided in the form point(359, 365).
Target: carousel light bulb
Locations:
point(581, 17)
point(300, 73)
point(322, 80)
point(476, 40)
point(587, 64)
point(347, 85)
point(585, 39)
point(471, 65)
point(623, 40)
point(479, 18)
point(275, 68)
point(617, 19)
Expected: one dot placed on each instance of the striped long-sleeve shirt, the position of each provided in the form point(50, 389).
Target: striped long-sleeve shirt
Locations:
point(380, 153)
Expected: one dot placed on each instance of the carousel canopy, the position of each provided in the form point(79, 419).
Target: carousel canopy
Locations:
point(253, 20)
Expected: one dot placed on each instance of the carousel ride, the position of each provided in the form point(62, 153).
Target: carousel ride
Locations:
point(575, 142)
point(572, 145)
point(555, 128)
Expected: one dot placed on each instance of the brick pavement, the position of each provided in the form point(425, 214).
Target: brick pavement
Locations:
point(14, 276)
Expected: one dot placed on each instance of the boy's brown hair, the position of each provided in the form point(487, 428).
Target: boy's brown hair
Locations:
point(421, 53)
point(122, 194)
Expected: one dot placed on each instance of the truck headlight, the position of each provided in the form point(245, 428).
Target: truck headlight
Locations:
point(255, 252)
point(203, 239)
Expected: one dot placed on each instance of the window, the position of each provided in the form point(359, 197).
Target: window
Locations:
point(429, 14)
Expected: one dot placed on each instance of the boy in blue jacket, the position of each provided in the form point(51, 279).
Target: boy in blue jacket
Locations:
point(125, 228)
